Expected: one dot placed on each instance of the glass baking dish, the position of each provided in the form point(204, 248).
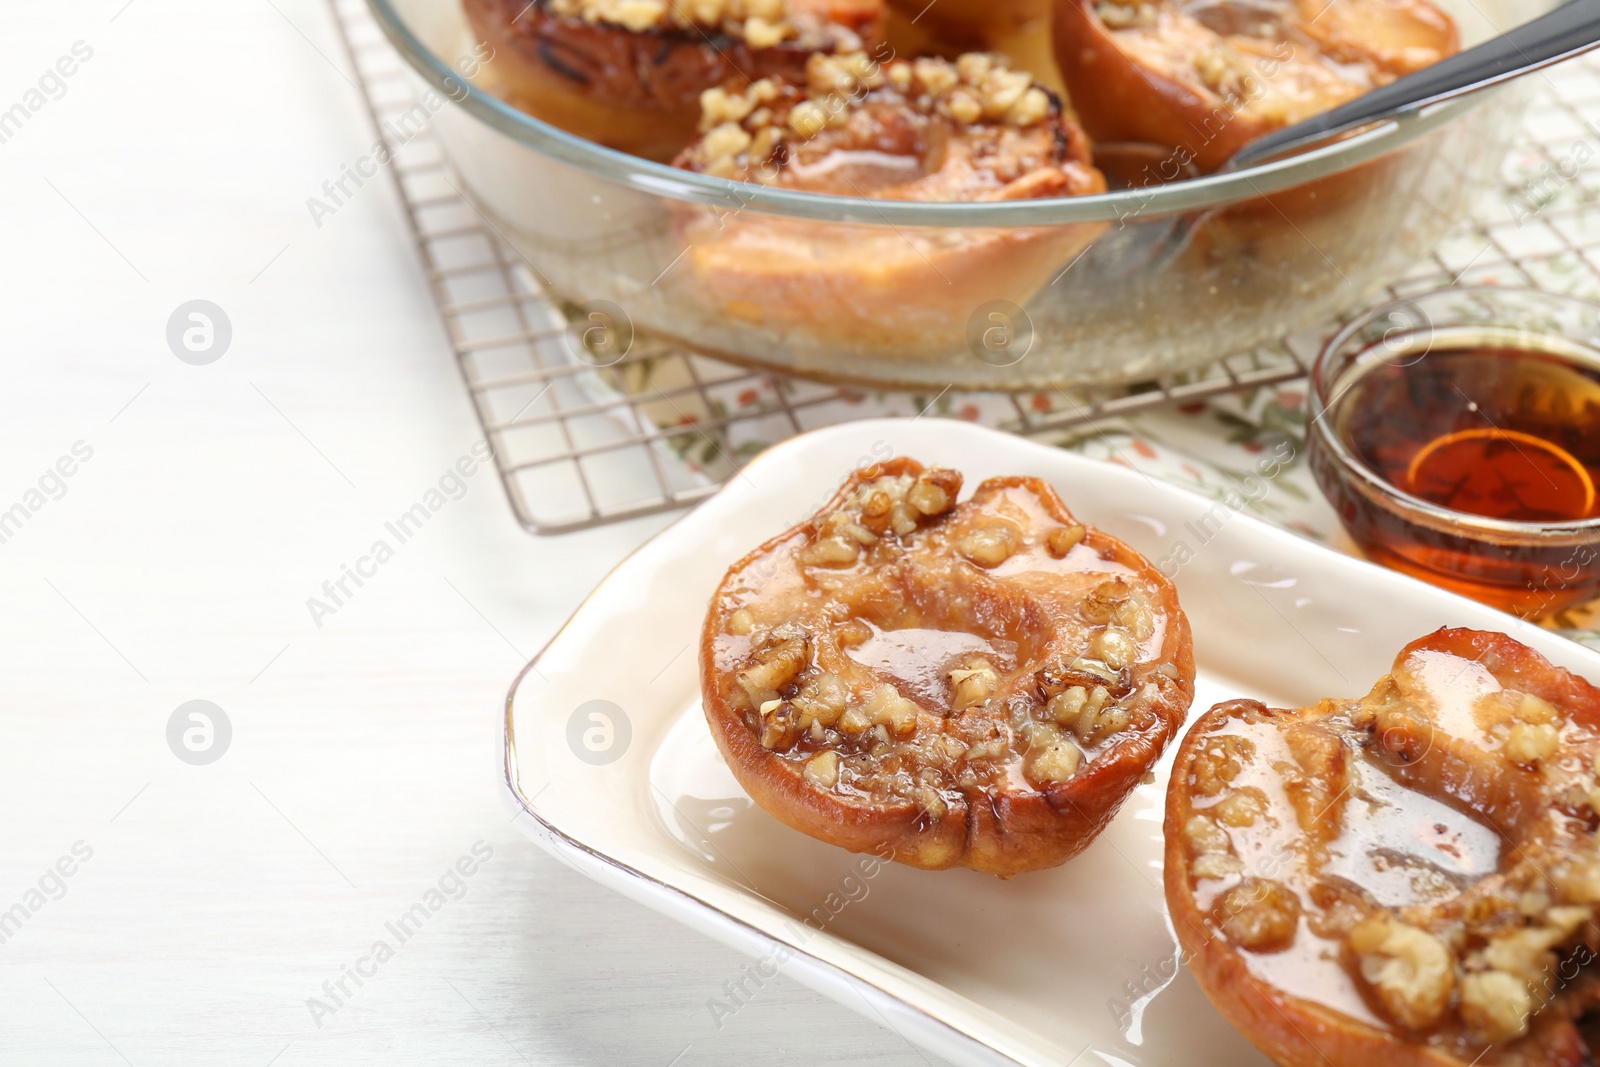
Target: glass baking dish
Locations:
point(1020, 295)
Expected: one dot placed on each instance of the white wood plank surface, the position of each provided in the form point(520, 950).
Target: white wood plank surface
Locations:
point(176, 564)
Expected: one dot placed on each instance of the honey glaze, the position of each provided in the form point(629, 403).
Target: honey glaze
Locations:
point(918, 660)
point(1403, 847)
point(1500, 432)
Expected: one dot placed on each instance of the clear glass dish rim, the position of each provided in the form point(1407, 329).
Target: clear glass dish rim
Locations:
point(1196, 194)
point(1461, 522)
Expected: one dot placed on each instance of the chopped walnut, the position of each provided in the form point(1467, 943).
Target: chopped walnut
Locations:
point(1530, 708)
point(1104, 602)
point(1411, 971)
point(974, 685)
point(1240, 809)
point(834, 551)
point(875, 509)
point(1531, 743)
point(807, 118)
point(1211, 849)
point(962, 105)
point(1070, 705)
point(1218, 762)
point(1318, 787)
point(855, 720)
point(852, 633)
point(987, 741)
point(823, 769)
point(776, 664)
point(1095, 668)
point(1258, 914)
point(740, 623)
point(989, 546)
point(1495, 1006)
point(1116, 649)
point(1339, 908)
point(780, 727)
point(762, 23)
point(934, 492)
point(718, 106)
point(1055, 759)
point(887, 707)
point(1223, 70)
point(1136, 617)
point(821, 699)
point(1215, 865)
point(1121, 16)
point(1568, 918)
point(1088, 712)
point(901, 504)
point(1061, 540)
point(936, 76)
point(932, 802)
point(727, 139)
point(759, 33)
point(1204, 836)
point(1523, 952)
point(1579, 879)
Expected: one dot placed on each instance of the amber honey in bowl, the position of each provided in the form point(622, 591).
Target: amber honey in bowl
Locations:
point(1468, 455)
point(1500, 432)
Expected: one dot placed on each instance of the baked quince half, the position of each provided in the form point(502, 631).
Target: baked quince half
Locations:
point(629, 73)
point(1407, 879)
point(929, 129)
point(1205, 78)
point(950, 683)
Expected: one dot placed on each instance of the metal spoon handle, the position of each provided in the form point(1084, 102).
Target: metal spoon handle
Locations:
point(1561, 34)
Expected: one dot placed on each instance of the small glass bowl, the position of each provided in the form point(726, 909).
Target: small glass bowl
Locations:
point(1531, 569)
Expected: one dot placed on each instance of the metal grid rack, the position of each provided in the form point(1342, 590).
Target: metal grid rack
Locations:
point(575, 451)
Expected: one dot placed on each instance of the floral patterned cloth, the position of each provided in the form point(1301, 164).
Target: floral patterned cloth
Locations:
point(1214, 447)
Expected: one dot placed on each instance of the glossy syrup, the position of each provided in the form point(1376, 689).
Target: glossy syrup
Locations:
point(1504, 433)
point(1479, 428)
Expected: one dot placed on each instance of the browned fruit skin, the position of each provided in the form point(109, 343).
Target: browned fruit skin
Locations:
point(1003, 831)
point(1510, 799)
point(1144, 83)
point(640, 92)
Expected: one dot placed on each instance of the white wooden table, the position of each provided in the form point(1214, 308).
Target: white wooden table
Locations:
point(175, 563)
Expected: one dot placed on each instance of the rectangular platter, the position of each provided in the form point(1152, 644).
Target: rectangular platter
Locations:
point(609, 760)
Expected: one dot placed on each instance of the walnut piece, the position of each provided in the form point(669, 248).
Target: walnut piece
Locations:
point(1259, 914)
point(989, 546)
point(1495, 1005)
point(1411, 971)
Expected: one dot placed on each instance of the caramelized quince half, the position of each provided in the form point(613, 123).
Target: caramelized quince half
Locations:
point(953, 684)
point(1407, 879)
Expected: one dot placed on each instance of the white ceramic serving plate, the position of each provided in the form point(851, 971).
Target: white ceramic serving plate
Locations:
point(1076, 965)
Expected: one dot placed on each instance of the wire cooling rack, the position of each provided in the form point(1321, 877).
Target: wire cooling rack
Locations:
point(577, 448)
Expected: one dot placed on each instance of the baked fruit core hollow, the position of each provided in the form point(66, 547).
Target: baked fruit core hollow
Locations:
point(975, 683)
point(1411, 877)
